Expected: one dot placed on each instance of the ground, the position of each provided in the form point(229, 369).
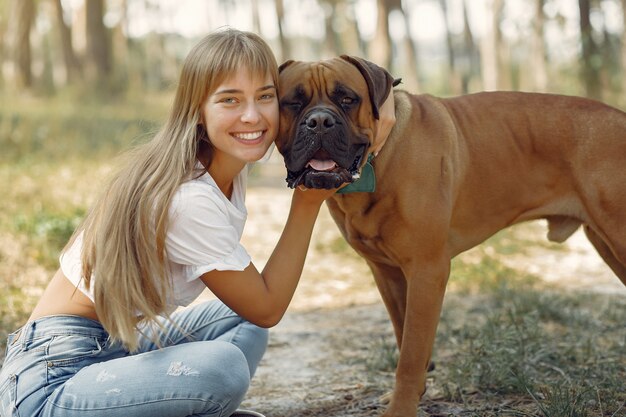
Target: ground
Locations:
point(317, 360)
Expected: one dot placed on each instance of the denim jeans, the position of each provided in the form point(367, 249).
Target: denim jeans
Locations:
point(63, 366)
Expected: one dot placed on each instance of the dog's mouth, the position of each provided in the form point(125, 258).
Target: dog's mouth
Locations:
point(323, 172)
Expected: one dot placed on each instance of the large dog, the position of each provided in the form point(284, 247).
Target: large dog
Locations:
point(452, 173)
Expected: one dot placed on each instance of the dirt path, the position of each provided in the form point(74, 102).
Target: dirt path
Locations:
point(314, 365)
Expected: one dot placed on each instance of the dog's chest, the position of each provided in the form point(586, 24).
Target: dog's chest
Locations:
point(361, 220)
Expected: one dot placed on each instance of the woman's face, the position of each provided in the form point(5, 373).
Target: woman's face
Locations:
point(241, 117)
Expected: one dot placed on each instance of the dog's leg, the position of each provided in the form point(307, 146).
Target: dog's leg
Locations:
point(392, 286)
point(606, 253)
point(426, 285)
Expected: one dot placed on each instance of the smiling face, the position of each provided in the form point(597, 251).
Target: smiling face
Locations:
point(241, 118)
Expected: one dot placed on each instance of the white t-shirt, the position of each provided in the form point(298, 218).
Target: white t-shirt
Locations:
point(204, 234)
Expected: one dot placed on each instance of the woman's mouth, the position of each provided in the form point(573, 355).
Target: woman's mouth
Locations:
point(249, 137)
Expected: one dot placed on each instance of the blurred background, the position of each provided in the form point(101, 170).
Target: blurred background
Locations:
point(441, 46)
point(93, 68)
point(82, 80)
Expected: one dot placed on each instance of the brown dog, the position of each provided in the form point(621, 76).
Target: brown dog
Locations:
point(452, 173)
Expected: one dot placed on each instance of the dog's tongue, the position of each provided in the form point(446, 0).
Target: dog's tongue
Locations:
point(322, 165)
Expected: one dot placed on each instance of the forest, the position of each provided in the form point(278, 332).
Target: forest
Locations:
point(444, 47)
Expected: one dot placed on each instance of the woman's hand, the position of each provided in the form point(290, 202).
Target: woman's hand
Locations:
point(387, 118)
point(313, 196)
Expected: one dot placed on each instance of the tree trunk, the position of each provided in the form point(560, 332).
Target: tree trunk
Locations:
point(332, 41)
point(591, 79)
point(624, 48)
point(256, 20)
point(453, 78)
point(4, 13)
point(412, 63)
point(23, 56)
point(342, 32)
point(285, 50)
point(380, 50)
point(98, 50)
point(539, 56)
point(489, 51)
point(350, 34)
point(472, 56)
point(72, 65)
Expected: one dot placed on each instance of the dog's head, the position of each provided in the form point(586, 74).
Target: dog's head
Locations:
point(328, 111)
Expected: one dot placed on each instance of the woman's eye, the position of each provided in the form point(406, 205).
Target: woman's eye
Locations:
point(266, 97)
point(229, 100)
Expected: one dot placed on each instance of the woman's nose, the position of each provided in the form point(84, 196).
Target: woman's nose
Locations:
point(251, 114)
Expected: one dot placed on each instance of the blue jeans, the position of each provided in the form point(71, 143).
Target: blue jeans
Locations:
point(63, 366)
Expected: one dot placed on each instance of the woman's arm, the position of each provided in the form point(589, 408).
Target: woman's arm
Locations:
point(263, 298)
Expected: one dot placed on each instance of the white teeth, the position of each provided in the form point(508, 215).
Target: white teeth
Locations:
point(248, 136)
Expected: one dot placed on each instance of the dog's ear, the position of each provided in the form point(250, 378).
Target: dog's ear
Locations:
point(285, 65)
point(379, 81)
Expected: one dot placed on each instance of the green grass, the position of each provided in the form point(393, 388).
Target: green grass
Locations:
point(48, 232)
point(560, 353)
point(34, 130)
point(514, 345)
point(55, 155)
point(509, 344)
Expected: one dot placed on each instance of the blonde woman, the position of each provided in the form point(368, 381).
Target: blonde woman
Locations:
point(103, 340)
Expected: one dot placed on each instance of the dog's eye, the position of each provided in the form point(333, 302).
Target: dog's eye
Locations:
point(347, 101)
point(293, 105)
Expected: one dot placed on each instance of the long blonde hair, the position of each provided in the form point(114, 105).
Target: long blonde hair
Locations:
point(124, 233)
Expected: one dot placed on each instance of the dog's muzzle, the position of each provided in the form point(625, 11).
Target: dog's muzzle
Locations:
point(325, 153)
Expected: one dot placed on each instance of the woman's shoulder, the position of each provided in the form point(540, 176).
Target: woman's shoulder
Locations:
point(198, 193)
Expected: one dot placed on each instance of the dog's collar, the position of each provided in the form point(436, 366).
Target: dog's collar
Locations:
point(366, 183)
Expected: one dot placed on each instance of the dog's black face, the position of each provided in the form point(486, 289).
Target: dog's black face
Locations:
point(324, 153)
point(326, 122)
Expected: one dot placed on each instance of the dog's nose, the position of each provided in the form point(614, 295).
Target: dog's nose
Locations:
point(320, 122)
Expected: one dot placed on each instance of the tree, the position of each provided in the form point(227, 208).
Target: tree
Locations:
point(470, 53)
point(348, 27)
point(72, 64)
point(380, 48)
point(624, 48)
point(342, 31)
point(589, 53)
point(411, 75)
point(492, 48)
point(285, 50)
point(256, 20)
point(25, 12)
point(538, 57)
point(452, 70)
point(98, 50)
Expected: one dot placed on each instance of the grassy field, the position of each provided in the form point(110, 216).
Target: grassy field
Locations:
point(55, 154)
point(508, 343)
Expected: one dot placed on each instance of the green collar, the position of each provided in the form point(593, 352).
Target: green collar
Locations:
point(366, 183)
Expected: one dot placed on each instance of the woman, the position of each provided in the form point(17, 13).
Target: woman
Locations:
point(103, 338)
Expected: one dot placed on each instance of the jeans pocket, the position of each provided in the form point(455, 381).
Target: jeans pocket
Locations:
point(68, 354)
point(65, 350)
point(8, 397)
